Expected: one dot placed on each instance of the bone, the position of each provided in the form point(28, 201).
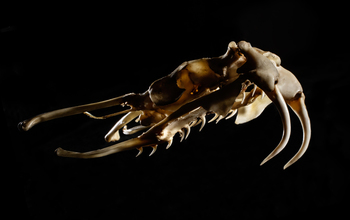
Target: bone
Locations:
point(193, 123)
point(29, 123)
point(231, 113)
point(259, 67)
point(252, 111)
point(182, 135)
point(300, 110)
point(202, 117)
point(219, 119)
point(281, 105)
point(153, 150)
point(254, 89)
point(113, 134)
point(169, 144)
point(188, 128)
point(214, 118)
point(140, 149)
point(122, 146)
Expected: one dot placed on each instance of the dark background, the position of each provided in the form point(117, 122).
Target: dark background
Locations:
point(59, 55)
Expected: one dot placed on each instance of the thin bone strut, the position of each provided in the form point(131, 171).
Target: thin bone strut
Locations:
point(106, 116)
point(125, 145)
point(29, 123)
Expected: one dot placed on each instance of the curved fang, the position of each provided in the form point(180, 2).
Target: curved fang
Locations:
point(202, 117)
point(188, 131)
point(281, 105)
point(153, 150)
point(214, 118)
point(140, 151)
point(300, 110)
point(231, 113)
point(169, 144)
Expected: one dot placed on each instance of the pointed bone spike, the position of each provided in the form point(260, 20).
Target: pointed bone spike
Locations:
point(254, 90)
point(214, 118)
point(198, 122)
point(140, 151)
point(231, 113)
point(154, 150)
point(300, 110)
point(202, 117)
point(193, 123)
point(188, 131)
point(219, 119)
point(283, 110)
point(113, 135)
point(122, 146)
point(182, 135)
point(169, 144)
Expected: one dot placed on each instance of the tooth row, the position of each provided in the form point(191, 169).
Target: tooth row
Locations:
point(182, 133)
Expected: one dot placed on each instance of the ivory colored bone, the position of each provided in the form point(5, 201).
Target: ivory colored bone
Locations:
point(182, 99)
point(287, 89)
point(29, 123)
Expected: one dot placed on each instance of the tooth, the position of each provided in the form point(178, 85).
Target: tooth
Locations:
point(182, 134)
point(254, 89)
point(283, 110)
point(243, 98)
point(154, 150)
point(193, 123)
point(188, 131)
point(213, 119)
point(140, 151)
point(263, 94)
point(202, 117)
point(198, 122)
point(300, 110)
point(220, 117)
point(231, 113)
point(169, 143)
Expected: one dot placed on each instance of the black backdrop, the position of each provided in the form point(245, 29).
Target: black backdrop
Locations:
point(59, 55)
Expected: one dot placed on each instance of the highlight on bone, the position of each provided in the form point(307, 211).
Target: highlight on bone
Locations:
point(281, 105)
point(241, 83)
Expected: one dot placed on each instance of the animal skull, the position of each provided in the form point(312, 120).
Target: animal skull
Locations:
point(181, 100)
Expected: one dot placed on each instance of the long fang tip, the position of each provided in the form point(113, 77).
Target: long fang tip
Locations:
point(284, 113)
